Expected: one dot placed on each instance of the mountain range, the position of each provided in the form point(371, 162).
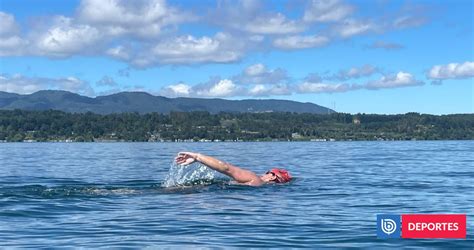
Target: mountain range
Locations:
point(143, 102)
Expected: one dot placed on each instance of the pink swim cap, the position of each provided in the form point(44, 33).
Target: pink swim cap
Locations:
point(282, 175)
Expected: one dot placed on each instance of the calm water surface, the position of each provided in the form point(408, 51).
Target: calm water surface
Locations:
point(93, 195)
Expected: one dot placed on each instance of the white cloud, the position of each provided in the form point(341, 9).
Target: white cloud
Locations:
point(65, 38)
point(20, 84)
point(268, 90)
point(12, 46)
point(252, 17)
point(259, 74)
point(9, 26)
point(300, 42)
point(73, 84)
point(145, 33)
point(26, 85)
point(255, 80)
point(187, 45)
point(176, 90)
point(355, 72)
point(221, 48)
point(274, 24)
point(452, 71)
point(401, 79)
point(310, 87)
point(256, 69)
point(222, 88)
point(116, 12)
point(182, 89)
point(258, 89)
point(327, 11)
point(352, 27)
point(312, 84)
point(96, 24)
point(256, 38)
point(119, 52)
point(409, 21)
point(144, 18)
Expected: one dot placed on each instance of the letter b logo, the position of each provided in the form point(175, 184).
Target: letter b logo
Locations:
point(388, 226)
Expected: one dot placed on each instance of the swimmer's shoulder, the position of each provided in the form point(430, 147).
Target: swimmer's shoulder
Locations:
point(253, 183)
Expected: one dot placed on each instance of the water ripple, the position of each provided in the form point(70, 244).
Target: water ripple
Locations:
point(122, 194)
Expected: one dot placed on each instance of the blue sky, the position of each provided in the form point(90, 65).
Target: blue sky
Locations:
point(355, 56)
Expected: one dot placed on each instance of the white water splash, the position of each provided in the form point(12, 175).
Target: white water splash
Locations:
point(188, 175)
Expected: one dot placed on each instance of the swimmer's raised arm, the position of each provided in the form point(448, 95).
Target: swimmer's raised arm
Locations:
point(238, 174)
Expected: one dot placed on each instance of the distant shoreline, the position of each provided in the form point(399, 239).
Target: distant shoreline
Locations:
point(58, 126)
point(273, 141)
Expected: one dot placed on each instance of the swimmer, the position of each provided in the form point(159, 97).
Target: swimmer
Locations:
point(240, 175)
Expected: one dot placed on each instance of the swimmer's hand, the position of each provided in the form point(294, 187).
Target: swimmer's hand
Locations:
point(185, 158)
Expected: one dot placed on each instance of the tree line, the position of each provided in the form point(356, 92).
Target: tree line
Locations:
point(51, 125)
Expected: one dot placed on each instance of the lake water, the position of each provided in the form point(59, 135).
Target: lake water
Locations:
point(110, 194)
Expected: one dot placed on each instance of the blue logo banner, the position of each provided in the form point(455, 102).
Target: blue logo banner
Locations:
point(388, 226)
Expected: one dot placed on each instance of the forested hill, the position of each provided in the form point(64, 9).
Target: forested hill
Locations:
point(20, 125)
point(143, 102)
